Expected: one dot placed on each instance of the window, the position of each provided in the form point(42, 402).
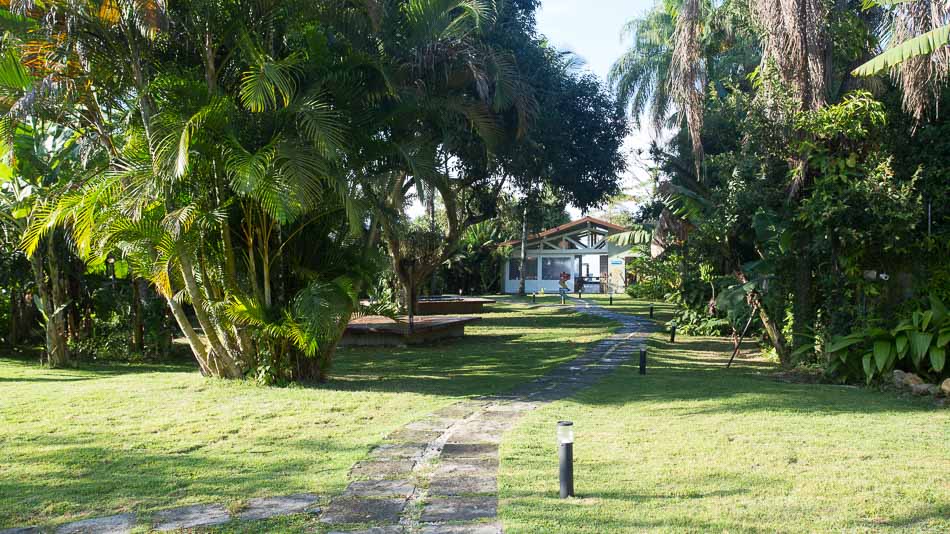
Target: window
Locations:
point(514, 273)
point(551, 268)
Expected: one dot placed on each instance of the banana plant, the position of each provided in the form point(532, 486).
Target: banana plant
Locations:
point(922, 339)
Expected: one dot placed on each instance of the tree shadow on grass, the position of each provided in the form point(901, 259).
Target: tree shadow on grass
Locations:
point(476, 365)
point(694, 369)
point(89, 371)
point(614, 510)
point(82, 480)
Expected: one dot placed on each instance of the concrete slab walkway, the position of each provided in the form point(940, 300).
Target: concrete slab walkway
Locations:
point(449, 459)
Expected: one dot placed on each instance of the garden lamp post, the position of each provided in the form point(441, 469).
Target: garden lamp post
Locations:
point(643, 360)
point(565, 439)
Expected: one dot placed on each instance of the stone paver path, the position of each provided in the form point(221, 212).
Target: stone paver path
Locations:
point(437, 475)
point(444, 467)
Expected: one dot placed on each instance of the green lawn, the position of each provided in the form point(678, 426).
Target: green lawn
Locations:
point(102, 440)
point(689, 447)
point(695, 447)
point(622, 303)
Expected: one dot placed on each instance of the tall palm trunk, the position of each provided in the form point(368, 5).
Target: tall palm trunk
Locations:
point(687, 78)
point(796, 45)
point(524, 252)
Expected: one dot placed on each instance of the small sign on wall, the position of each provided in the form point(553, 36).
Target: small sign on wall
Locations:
point(616, 262)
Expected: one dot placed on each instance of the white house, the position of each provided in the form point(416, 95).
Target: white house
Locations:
point(579, 248)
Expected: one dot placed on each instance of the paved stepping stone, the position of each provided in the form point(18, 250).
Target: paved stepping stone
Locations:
point(470, 450)
point(456, 485)
point(396, 450)
point(263, 508)
point(406, 435)
point(21, 530)
point(382, 469)
point(455, 411)
point(476, 528)
point(356, 510)
point(199, 515)
point(113, 524)
point(517, 406)
point(391, 529)
point(439, 424)
point(476, 436)
point(459, 509)
point(380, 488)
point(468, 467)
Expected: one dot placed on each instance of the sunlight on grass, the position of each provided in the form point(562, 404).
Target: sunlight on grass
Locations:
point(693, 446)
point(92, 442)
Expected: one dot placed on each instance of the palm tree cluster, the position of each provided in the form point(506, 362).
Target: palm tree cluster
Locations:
point(253, 160)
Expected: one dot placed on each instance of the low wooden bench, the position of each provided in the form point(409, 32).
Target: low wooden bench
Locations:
point(376, 331)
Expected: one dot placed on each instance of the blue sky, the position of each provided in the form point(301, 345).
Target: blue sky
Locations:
point(591, 29)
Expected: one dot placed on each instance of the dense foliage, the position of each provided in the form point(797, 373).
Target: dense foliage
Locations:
point(816, 199)
point(247, 166)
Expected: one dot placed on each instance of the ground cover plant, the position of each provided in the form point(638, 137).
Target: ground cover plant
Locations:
point(692, 446)
point(140, 438)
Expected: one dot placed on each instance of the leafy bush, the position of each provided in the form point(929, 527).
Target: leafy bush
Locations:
point(654, 278)
point(918, 343)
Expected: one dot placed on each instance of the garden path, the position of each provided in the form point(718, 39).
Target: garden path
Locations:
point(439, 474)
point(435, 475)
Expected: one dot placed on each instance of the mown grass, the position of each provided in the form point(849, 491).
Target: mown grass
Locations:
point(694, 447)
point(622, 303)
point(107, 439)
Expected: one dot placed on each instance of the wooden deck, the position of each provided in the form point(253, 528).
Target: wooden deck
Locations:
point(382, 331)
point(451, 305)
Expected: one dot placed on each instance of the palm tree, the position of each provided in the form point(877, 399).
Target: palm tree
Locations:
point(919, 56)
point(666, 65)
point(641, 76)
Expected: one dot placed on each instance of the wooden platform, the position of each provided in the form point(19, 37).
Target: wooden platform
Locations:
point(450, 305)
point(379, 331)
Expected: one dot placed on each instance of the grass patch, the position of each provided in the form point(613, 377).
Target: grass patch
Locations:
point(109, 439)
point(622, 303)
point(692, 446)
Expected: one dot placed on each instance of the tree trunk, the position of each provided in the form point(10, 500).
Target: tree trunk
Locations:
point(803, 316)
point(198, 347)
point(222, 363)
point(138, 327)
point(773, 329)
point(524, 252)
point(774, 332)
point(56, 351)
point(13, 335)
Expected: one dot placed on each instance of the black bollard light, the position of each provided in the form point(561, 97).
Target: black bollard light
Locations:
point(673, 334)
point(534, 298)
point(611, 298)
point(643, 361)
point(565, 439)
point(651, 311)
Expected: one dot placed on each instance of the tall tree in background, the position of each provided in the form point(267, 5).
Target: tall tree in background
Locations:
point(918, 54)
point(687, 74)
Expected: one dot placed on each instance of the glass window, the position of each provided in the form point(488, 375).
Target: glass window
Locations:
point(551, 268)
point(514, 273)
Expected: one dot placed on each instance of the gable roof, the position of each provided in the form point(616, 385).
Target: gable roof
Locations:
point(573, 224)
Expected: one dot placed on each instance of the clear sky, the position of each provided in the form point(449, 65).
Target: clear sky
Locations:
point(591, 29)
